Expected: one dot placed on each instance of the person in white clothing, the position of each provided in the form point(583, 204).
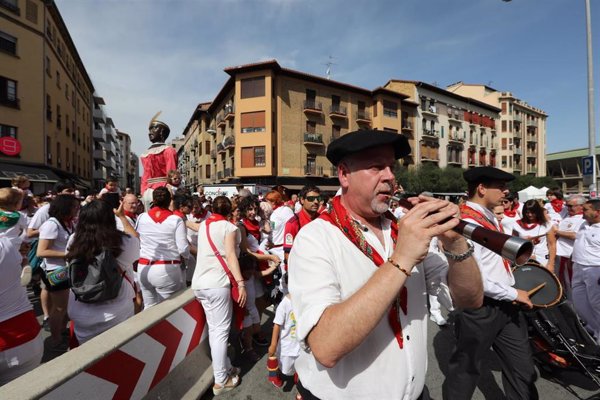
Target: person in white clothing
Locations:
point(21, 344)
point(96, 230)
point(357, 293)
point(555, 206)
point(565, 234)
point(535, 227)
point(279, 217)
point(586, 268)
point(163, 242)
point(212, 287)
point(13, 224)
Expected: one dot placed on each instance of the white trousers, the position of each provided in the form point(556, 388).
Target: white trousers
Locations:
point(218, 309)
point(251, 316)
point(159, 281)
point(586, 296)
point(21, 359)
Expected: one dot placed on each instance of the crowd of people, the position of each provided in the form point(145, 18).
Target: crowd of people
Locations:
point(349, 277)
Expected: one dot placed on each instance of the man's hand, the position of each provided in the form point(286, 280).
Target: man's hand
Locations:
point(523, 298)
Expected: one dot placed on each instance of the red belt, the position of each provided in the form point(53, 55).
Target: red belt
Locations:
point(145, 261)
point(277, 245)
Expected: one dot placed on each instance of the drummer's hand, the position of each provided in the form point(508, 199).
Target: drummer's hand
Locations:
point(523, 298)
point(419, 225)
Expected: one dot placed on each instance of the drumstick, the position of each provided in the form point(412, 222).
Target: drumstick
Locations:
point(536, 289)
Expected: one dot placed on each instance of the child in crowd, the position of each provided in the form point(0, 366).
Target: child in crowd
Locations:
point(284, 345)
point(111, 186)
point(173, 180)
point(13, 224)
point(251, 324)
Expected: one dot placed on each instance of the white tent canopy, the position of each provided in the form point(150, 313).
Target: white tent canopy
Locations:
point(532, 192)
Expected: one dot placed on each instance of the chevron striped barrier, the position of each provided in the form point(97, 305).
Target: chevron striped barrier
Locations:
point(128, 361)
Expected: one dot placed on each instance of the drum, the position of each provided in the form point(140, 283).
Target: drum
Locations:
point(544, 288)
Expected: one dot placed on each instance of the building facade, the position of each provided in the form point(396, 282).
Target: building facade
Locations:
point(522, 130)
point(124, 159)
point(45, 98)
point(107, 147)
point(565, 167)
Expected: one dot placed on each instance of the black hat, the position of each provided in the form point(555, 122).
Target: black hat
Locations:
point(487, 174)
point(356, 141)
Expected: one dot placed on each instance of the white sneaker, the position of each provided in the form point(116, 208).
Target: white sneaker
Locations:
point(438, 319)
point(25, 275)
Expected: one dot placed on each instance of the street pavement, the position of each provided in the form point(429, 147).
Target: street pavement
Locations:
point(255, 386)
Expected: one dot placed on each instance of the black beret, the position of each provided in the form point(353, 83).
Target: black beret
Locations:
point(356, 141)
point(487, 174)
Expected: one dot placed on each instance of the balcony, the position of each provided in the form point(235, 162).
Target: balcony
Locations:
point(531, 153)
point(110, 148)
point(335, 110)
point(431, 133)
point(220, 148)
point(532, 170)
point(228, 172)
point(229, 112)
point(229, 142)
point(333, 171)
point(98, 173)
point(312, 107)
point(517, 136)
point(13, 103)
point(517, 167)
point(531, 138)
point(456, 138)
point(213, 154)
point(363, 117)
point(430, 158)
point(313, 170)
point(517, 119)
point(99, 135)
point(454, 162)
point(220, 175)
point(532, 123)
point(98, 154)
point(431, 110)
point(407, 126)
point(313, 138)
point(517, 152)
point(220, 120)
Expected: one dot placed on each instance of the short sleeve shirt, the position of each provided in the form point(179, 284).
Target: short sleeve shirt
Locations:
point(53, 230)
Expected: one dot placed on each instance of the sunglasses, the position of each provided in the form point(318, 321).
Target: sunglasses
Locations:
point(313, 198)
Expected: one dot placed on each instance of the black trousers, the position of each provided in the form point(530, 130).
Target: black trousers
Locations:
point(500, 325)
point(307, 395)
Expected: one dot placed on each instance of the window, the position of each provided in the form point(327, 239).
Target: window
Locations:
point(48, 108)
point(58, 160)
point(311, 94)
point(48, 67)
point(503, 143)
point(207, 171)
point(253, 122)
point(8, 131)
point(57, 79)
point(67, 91)
point(58, 117)
point(503, 108)
point(390, 109)
point(253, 157)
point(8, 92)
point(336, 132)
point(503, 126)
point(31, 11)
point(207, 147)
point(8, 43)
point(11, 5)
point(504, 164)
point(253, 87)
point(311, 127)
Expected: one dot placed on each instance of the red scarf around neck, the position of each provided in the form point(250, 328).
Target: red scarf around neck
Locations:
point(252, 228)
point(131, 215)
point(512, 212)
point(159, 215)
point(304, 217)
point(201, 214)
point(468, 212)
point(340, 218)
point(557, 205)
point(525, 225)
point(215, 217)
point(179, 214)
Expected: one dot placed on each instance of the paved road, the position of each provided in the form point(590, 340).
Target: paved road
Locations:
point(255, 386)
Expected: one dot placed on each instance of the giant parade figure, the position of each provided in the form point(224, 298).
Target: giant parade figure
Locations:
point(157, 161)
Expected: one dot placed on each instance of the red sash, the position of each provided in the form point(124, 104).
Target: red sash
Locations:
point(339, 217)
point(252, 228)
point(468, 212)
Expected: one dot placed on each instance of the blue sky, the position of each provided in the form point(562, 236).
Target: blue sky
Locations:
point(149, 55)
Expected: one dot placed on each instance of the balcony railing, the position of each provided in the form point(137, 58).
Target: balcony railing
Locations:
point(220, 175)
point(228, 172)
point(431, 133)
point(313, 170)
point(213, 153)
point(220, 148)
point(456, 117)
point(220, 119)
point(517, 167)
point(363, 116)
point(517, 118)
point(531, 170)
point(531, 138)
point(532, 122)
point(312, 106)
point(454, 161)
point(228, 142)
point(517, 152)
point(531, 153)
point(229, 112)
point(313, 138)
point(335, 110)
point(456, 137)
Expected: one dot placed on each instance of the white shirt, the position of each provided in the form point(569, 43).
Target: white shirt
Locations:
point(53, 230)
point(17, 232)
point(325, 269)
point(285, 318)
point(564, 246)
point(192, 235)
point(586, 250)
point(278, 219)
point(13, 296)
point(497, 282)
point(508, 223)
point(40, 216)
point(540, 249)
point(164, 241)
point(209, 273)
point(556, 217)
point(91, 319)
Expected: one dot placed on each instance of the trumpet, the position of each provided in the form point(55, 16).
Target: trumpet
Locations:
point(514, 249)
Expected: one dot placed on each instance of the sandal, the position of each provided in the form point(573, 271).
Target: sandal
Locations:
point(231, 383)
point(234, 371)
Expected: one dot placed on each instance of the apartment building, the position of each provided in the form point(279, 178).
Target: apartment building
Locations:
point(124, 160)
point(45, 98)
point(450, 130)
point(522, 129)
point(133, 173)
point(271, 125)
point(107, 146)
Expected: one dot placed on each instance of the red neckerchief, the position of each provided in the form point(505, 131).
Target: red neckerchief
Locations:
point(179, 214)
point(131, 215)
point(252, 228)
point(525, 225)
point(468, 212)
point(159, 215)
point(215, 217)
point(304, 217)
point(512, 212)
point(557, 205)
point(339, 217)
point(201, 214)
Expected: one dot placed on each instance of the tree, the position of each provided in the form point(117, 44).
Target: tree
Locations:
point(523, 181)
point(430, 178)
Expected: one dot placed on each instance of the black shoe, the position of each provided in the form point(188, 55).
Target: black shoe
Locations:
point(257, 340)
point(46, 324)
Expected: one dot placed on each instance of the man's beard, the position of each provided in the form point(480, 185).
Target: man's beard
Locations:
point(379, 207)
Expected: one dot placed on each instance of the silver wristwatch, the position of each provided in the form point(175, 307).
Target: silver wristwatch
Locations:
point(462, 256)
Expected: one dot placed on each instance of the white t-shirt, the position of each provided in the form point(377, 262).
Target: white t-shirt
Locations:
point(13, 296)
point(53, 230)
point(564, 246)
point(285, 318)
point(91, 319)
point(325, 269)
point(586, 250)
point(209, 273)
point(540, 249)
point(17, 232)
point(556, 217)
point(162, 241)
point(508, 223)
point(40, 216)
point(278, 220)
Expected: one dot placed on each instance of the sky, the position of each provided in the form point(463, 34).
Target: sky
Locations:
point(149, 55)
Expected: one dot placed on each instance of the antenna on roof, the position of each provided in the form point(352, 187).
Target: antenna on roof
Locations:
point(329, 64)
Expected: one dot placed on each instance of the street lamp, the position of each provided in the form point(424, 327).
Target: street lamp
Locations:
point(591, 123)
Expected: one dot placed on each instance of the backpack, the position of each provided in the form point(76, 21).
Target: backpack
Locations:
point(97, 281)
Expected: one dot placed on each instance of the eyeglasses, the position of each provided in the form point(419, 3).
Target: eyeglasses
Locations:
point(313, 198)
point(572, 205)
point(505, 201)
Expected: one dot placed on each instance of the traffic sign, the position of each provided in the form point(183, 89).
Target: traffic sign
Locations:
point(587, 168)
